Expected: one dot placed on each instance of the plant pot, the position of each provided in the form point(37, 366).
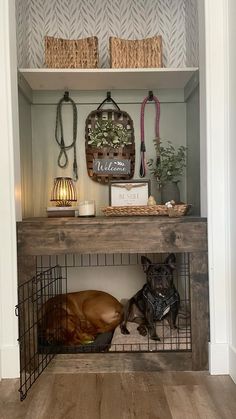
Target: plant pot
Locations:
point(170, 191)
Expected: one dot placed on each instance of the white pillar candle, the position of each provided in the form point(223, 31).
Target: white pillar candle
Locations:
point(86, 208)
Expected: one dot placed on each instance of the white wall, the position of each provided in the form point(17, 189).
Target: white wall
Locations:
point(232, 174)
point(217, 153)
point(202, 107)
point(10, 192)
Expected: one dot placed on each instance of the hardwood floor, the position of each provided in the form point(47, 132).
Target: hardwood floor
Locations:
point(137, 395)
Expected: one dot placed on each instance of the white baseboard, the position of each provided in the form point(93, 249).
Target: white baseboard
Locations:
point(232, 362)
point(9, 361)
point(218, 358)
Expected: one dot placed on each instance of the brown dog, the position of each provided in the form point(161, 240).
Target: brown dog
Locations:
point(78, 317)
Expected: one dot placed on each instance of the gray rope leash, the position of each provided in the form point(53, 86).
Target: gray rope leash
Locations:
point(59, 133)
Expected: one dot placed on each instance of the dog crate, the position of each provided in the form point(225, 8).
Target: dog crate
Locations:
point(50, 281)
point(110, 244)
point(32, 296)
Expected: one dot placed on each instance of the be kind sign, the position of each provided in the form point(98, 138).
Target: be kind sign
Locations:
point(111, 167)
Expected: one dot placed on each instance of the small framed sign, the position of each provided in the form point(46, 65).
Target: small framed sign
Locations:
point(129, 193)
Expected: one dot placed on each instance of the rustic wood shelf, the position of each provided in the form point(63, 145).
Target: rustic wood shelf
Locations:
point(107, 78)
point(46, 236)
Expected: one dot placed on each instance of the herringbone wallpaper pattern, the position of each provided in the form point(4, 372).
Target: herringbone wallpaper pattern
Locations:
point(191, 19)
point(130, 19)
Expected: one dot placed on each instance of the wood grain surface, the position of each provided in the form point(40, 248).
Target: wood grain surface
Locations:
point(138, 395)
point(199, 310)
point(43, 236)
point(120, 362)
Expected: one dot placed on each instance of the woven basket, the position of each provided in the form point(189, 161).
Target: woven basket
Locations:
point(176, 211)
point(124, 153)
point(63, 53)
point(145, 53)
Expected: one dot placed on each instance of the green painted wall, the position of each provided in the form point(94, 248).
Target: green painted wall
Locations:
point(46, 150)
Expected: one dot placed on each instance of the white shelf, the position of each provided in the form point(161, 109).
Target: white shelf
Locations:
point(107, 79)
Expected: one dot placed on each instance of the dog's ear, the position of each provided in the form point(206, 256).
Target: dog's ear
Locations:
point(171, 261)
point(146, 263)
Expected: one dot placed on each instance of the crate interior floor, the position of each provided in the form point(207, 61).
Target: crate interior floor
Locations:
point(137, 395)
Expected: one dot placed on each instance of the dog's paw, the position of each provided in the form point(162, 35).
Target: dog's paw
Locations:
point(156, 338)
point(124, 330)
point(142, 330)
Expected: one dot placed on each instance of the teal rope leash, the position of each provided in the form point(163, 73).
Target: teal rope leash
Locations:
point(60, 134)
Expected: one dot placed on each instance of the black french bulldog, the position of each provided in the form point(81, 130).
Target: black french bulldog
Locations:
point(157, 299)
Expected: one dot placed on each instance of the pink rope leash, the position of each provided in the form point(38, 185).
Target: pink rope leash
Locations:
point(142, 170)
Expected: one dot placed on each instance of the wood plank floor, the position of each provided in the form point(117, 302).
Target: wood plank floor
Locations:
point(129, 395)
point(120, 362)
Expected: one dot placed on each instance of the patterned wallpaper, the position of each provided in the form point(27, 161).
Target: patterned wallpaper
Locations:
point(130, 19)
point(191, 25)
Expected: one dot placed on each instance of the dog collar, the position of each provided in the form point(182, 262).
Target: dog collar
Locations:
point(160, 303)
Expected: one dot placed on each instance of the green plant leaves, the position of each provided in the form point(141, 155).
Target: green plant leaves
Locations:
point(107, 133)
point(170, 164)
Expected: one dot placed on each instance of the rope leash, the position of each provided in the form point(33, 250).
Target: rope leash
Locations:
point(142, 170)
point(59, 133)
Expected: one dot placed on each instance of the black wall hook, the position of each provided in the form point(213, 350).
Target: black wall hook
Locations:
point(150, 95)
point(66, 96)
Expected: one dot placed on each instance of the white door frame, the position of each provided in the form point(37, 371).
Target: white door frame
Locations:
point(214, 118)
point(9, 192)
point(214, 124)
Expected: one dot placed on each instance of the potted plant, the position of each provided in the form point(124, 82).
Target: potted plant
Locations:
point(108, 133)
point(168, 168)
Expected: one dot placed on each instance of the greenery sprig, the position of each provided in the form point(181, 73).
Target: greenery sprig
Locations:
point(169, 164)
point(108, 133)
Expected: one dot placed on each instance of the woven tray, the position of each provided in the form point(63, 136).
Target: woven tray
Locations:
point(64, 53)
point(144, 53)
point(176, 211)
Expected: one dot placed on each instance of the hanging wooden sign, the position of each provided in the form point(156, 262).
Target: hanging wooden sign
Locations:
point(109, 146)
point(111, 167)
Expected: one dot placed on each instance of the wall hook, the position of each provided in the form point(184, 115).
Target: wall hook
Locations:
point(150, 95)
point(66, 96)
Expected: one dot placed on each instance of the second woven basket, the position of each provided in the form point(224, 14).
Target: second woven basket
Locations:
point(144, 53)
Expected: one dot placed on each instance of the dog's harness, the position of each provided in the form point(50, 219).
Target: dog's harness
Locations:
point(160, 303)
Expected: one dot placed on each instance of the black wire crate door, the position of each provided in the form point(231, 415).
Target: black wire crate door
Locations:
point(34, 298)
